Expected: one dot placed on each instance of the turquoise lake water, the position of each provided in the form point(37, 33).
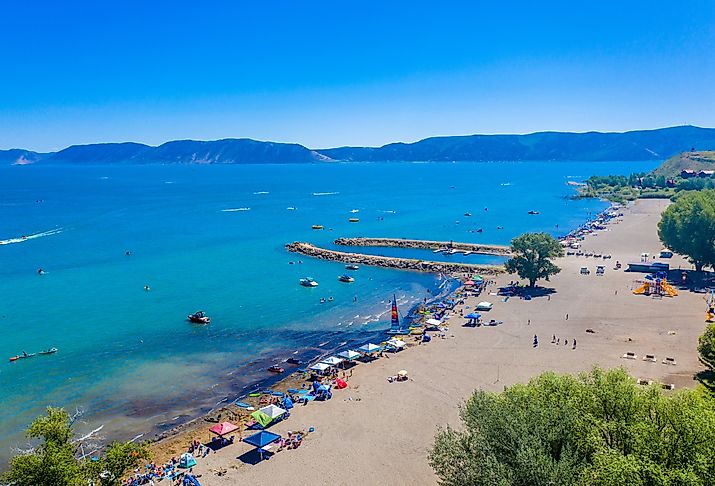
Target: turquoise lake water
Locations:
point(212, 238)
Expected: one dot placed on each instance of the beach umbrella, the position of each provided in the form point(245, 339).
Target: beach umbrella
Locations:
point(272, 411)
point(484, 305)
point(368, 348)
point(469, 282)
point(396, 343)
point(473, 315)
point(402, 373)
point(319, 367)
point(349, 355)
point(261, 439)
point(433, 322)
point(333, 361)
point(440, 305)
point(223, 428)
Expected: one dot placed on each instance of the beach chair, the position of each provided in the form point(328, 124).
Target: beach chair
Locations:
point(669, 361)
point(649, 357)
point(630, 355)
point(668, 386)
point(643, 381)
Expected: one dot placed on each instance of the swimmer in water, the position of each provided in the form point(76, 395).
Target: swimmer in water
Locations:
point(40, 271)
point(127, 253)
point(146, 288)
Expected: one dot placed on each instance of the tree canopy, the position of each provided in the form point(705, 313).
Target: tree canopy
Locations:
point(688, 227)
point(532, 256)
point(596, 429)
point(54, 462)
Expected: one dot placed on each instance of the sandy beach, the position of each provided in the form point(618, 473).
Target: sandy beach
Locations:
point(377, 432)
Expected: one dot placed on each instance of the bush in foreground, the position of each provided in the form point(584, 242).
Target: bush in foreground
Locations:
point(53, 462)
point(597, 429)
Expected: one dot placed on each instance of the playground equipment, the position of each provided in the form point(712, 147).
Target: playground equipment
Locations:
point(710, 306)
point(655, 286)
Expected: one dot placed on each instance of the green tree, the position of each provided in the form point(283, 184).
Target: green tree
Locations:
point(706, 347)
point(54, 461)
point(688, 227)
point(532, 256)
point(599, 428)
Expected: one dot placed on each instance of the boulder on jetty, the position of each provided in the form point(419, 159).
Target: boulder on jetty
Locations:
point(310, 250)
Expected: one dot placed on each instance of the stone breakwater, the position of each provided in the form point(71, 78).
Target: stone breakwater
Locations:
point(498, 250)
point(391, 262)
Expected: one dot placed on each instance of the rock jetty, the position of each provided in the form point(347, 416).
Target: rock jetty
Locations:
point(391, 262)
point(498, 250)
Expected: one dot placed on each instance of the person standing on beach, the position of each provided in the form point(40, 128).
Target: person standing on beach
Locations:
point(567, 317)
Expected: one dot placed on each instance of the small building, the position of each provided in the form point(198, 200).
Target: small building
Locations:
point(685, 173)
point(670, 183)
point(706, 173)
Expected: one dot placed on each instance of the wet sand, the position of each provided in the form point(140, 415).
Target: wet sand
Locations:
point(376, 432)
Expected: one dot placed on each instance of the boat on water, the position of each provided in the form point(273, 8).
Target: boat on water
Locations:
point(275, 369)
point(308, 282)
point(21, 356)
point(199, 318)
point(352, 267)
point(346, 278)
point(467, 214)
point(317, 226)
point(48, 351)
point(354, 220)
point(354, 210)
point(533, 212)
point(294, 361)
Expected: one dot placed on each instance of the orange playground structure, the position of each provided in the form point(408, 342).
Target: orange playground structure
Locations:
point(656, 287)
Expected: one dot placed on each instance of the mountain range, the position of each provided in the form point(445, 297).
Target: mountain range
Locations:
point(656, 144)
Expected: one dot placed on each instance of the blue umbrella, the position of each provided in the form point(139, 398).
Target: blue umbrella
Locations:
point(261, 439)
point(473, 316)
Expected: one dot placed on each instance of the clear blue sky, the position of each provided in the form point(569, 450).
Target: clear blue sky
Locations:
point(330, 73)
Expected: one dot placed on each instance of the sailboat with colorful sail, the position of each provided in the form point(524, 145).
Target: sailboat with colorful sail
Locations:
point(395, 327)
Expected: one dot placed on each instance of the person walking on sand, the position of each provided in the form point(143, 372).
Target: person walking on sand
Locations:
point(536, 341)
point(574, 344)
point(567, 317)
point(528, 323)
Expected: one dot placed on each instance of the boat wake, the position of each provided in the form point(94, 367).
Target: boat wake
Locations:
point(388, 211)
point(233, 210)
point(257, 193)
point(325, 193)
point(30, 237)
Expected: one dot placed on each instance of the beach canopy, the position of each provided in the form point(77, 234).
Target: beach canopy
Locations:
point(396, 343)
point(369, 348)
point(320, 367)
point(434, 322)
point(223, 428)
point(261, 439)
point(272, 411)
point(402, 373)
point(484, 305)
point(349, 355)
point(333, 361)
point(473, 315)
point(469, 282)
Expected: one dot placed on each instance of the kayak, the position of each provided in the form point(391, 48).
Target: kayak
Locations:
point(49, 351)
point(21, 356)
